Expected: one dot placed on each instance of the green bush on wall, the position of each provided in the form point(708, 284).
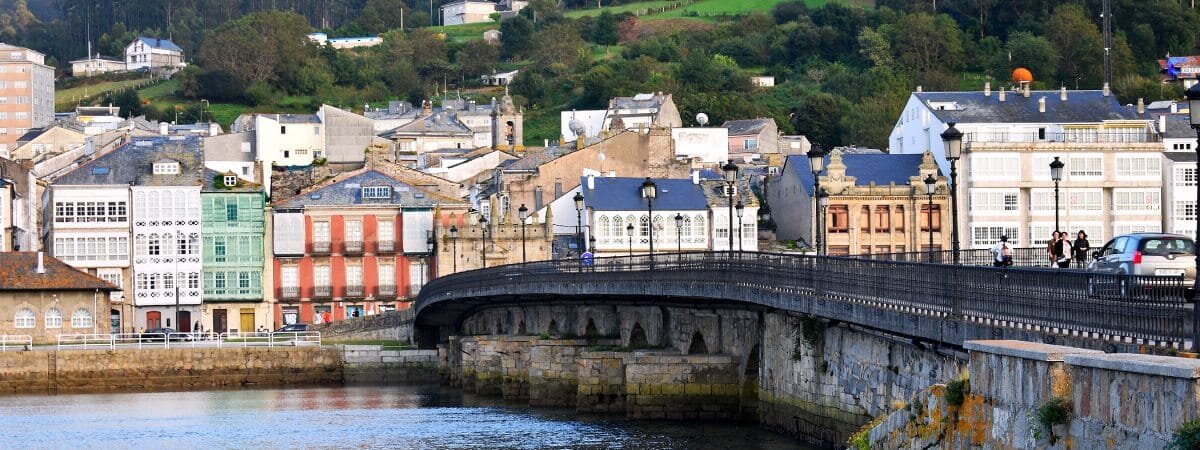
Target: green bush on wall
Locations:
point(1186, 437)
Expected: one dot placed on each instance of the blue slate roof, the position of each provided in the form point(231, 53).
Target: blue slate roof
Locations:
point(1080, 107)
point(348, 192)
point(882, 168)
point(164, 44)
point(134, 162)
point(625, 194)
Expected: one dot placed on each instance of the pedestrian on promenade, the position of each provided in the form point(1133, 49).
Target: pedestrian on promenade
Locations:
point(1080, 249)
point(1062, 251)
point(1050, 249)
point(1002, 253)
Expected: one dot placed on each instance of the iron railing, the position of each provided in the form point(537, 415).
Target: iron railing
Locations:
point(1023, 257)
point(321, 247)
point(386, 290)
point(354, 290)
point(385, 246)
point(1146, 310)
point(354, 247)
point(322, 291)
point(1132, 136)
point(289, 292)
point(15, 342)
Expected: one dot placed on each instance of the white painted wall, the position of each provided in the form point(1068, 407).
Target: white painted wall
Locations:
point(708, 144)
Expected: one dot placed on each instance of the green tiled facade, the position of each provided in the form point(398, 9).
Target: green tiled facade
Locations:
point(232, 229)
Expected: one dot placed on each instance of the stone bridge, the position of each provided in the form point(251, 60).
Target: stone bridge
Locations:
point(815, 346)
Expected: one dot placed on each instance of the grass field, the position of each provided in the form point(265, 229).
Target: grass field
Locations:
point(632, 7)
point(66, 99)
point(467, 32)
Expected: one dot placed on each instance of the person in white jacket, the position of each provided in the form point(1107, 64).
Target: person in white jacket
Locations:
point(1002, 253)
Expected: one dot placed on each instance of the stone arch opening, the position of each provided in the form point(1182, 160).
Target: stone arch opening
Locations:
point(637, 337)
point(698, 346)
point(591, 331)
point(521, 328)
point(753, 362)
point(499, 327)
point(553, 327)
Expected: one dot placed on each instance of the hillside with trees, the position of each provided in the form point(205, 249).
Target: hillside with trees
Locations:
point(843, 72)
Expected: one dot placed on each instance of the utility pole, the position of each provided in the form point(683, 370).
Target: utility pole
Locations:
point(1107, 16)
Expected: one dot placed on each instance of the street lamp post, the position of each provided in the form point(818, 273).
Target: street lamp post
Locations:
point(952, 138)
point(930, 188)
point(523, 213)
point(1056, 168)
point(731, 171)
point(650, 191)
point(592, 244)
point(816, 162)
point(1193, 97)
point(823, 203)
point(483, 244)
point(739, 207)
point(629, 232)
point(679, 233)
point(454, 247)
point(579, 219)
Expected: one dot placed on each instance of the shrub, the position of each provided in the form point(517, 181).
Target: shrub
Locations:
point(956, 391)
point(1056, 411)
point(1186, 437)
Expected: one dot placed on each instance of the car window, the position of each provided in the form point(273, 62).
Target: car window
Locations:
point(1118, 244)
point(1167, 246)
point(1107, 249)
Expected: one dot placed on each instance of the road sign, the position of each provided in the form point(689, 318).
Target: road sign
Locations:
point(586, 258)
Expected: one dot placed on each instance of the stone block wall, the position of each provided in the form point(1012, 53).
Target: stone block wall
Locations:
point(373, 364)
point(1135, 400)
point(679, 387)
point(553, 372)
point(602, 382)
point(514, 367)
point(823, 384)
point(27, 372)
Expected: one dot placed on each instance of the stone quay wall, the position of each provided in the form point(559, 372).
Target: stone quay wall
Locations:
point(680, 387)
point(374, 364)
point(389, 326)
point(1115, 401)
point(554, 372)
point(69, 371)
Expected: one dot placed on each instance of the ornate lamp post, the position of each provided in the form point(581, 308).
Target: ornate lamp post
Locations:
point(649, 191)
point(483, 244)
point(930, 188)
point(629, 232)
point(952, 138)
point(592, 244)
point(579, 219)
point(740, 208)
point(454, 247)
point(1193, 98)
point(731, 171)
point(679, 232)
point(816, 162)
point(823, 203)
point(1056, 168)
point(523, 213)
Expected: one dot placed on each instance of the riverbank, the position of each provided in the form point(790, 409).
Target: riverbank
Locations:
point(142, 370)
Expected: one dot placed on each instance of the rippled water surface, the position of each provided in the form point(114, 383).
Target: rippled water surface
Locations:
point(403, 417)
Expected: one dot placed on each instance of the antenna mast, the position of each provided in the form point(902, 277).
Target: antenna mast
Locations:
point(1107, 16)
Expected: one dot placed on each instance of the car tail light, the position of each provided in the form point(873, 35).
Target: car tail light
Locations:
point(1137, 257)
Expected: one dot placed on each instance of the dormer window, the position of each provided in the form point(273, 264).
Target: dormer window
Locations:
point(230, 180)
point(384, 192)
point(166, 168)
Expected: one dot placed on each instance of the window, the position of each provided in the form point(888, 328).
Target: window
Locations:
point(81, 318)
point(290, 276)
point(321, 275)
point(750, 144)
point(838, 217)
point(230, 180)
point(166, 168)
point(926, 217)
point(993, 200)
point(384, 192)
point(387, 273)
point(1127, 228)
point(193, 280)
point(231, 212)
point(864, 219)
point(320, 231)
point(900, 219)
point(243, 280)
point(989, 236)
point(112, 277)
point(1185, 210)
point(1135, 200)
point(883, 219)
point(219, 280)
point(994, 166)
point(89, 212)
point(353, 231)
point(219, 250)
point(1084, 200)
point(1138, 166)
point(354, 275)
point(1185, 176)
point(1083, 166)
point(155, 245)
point(53, 318)
point(283, 130)
point(385, 230)
point(416, 277)
point(26, 318)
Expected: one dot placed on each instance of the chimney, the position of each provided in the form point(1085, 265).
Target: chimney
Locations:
point(1042, 104)
point(1062, 93)
point(1001, 91)
point(1141, 106)
point(1106, 91)
point(163, 128)
point(987, 89)
point(1162, 123)
point(426, 107)
point(213, 129)
point(1174, 107)
point(41, 267)
point(1026, 91)
point(695, 177)
point(919, 89)
point(545, 142)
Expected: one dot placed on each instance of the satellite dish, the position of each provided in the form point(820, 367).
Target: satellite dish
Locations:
point(702, 119)
point(576, 126)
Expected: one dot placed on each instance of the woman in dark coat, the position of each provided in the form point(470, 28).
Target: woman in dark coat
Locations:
point(1080, 248)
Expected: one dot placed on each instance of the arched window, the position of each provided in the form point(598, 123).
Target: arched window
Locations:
point(686, 232)
point(81, 318)
point(618, 227)
point(152, 205)
point(658, 227)
point(603, 226)
point(644, 226)
point(699, 228)
point(53, 318)
point(26, 318)
point(630, 220)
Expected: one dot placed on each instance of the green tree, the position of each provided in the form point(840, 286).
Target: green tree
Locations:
point(1031, 52)
point(874, 46)
point(477, 58)
point(516, 37)
point(264, 47)
point(926, 43)
point(817, 116)
point(558, 47)
point(604, 29)
point(1079, 44)
point(129, 101)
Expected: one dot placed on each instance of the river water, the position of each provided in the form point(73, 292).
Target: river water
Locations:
point(356, 417)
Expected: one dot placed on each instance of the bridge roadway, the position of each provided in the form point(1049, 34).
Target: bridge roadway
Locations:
point(946, 304)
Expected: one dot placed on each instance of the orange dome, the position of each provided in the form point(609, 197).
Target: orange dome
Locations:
point(1022, 75)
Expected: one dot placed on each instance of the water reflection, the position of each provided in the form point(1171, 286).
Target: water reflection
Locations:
point(367, 417)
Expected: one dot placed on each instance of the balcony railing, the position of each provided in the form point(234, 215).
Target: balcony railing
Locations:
point(322, 291)
point(386, 247)
point(321, 247)
point(387, 290)
point(354, 290)
point(1139, 136)
point(290, 292)
point(353, 247)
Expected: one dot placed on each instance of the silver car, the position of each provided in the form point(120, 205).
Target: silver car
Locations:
point(1143, 254)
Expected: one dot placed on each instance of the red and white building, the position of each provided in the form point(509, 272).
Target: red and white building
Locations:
point(357, 246)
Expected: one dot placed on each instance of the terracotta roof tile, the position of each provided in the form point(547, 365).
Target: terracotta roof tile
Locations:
point(18, 271)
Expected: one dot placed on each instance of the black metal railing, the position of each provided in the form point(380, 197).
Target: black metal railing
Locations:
point(354, 290)
point(385, 246)
point(1061, 136)
point(352, 247)
point(386, 290)
point(1147, 310)
point(1022, 257)
point(322, 291)
point(289, 292)
point(321, 247)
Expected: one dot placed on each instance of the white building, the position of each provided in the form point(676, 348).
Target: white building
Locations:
point(288, 139)
point(500, 78)
point(1112, 182)
point(96, 65)
point(709, 145)
point(1179, 174)
point(346, 42)
point(132, 217)
point(148, 53)
point(467, 11)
